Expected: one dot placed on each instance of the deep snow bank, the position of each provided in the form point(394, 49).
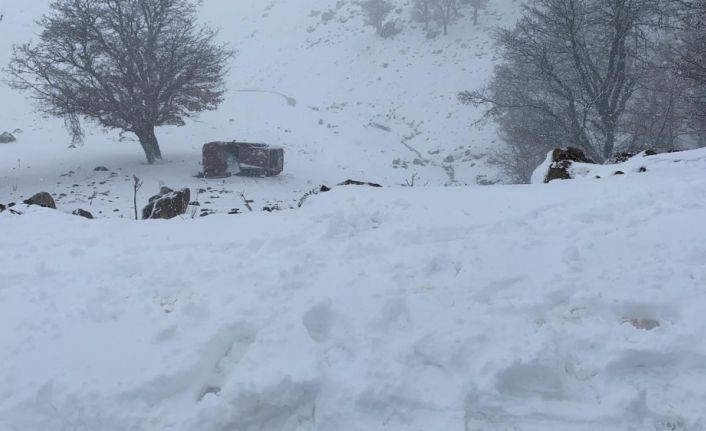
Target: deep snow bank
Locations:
point(399, 309)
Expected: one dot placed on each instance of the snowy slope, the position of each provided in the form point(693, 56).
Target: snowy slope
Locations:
point(309, 76)
point(470, 308)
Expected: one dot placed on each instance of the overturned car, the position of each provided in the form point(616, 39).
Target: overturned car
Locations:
point(223, 159)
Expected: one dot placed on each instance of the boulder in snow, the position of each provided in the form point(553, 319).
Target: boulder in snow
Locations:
point(248, 159)
point(83, 213)
point(6, 138)
point(167, 204)
point(557, 164)
point(42, 199)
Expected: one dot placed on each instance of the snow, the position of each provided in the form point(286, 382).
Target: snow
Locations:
point(470, 308)
point(573, 306)
point(540, 173)
point(342, 102)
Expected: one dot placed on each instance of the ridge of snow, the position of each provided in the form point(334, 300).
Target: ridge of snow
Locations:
point(502, 307)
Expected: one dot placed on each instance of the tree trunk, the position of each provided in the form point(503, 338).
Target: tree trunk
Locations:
point(149, 143)
point(609, 145)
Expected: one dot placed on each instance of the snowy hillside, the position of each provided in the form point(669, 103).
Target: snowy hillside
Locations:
point(309, 76)
point(576, 305)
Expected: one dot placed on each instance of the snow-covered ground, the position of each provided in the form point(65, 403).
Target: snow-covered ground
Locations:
point(308, 76)
point(577, 305)
point(573, 306)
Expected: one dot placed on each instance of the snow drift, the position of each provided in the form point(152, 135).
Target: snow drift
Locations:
point(576, 305)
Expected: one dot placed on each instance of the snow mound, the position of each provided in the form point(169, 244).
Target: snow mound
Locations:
point(573, 306)
point(639, 164)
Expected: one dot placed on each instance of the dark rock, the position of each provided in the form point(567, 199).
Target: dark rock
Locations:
point(43, 199)
point(167, 204)
point(619, 173)
point(325, 189)
point(101, 169)
point(642, 169)
point(561, 162)
point(6, 138)
point(2, 208)
point(83, 213)
point(644, 324)
point(358, 183)
point(622, 157)
point(248, 159)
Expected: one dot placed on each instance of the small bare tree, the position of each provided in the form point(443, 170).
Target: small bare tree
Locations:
point(376, 12)
point(690, 53)
point(127, 64)
point(422, 11)
point(445, 12)
point(477, 6)
point(575, 64)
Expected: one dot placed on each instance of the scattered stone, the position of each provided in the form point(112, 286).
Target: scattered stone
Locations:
point(644, 324)
point(358, 183)
point(562, 159)
point(206, 212)
point(167, 204)
point(325, 189)
point(9, 209)
point(83, 213)
point(642, 169)
point(101, 169)
point(619, 173)
point(43, 199)
point(622, 157)
point(6, 138)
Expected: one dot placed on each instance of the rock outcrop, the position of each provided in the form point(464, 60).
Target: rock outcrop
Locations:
point(6, 138)
point(42, 199)
point(561, 161)
point(167, 204)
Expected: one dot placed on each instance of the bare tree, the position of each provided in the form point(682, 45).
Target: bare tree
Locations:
point(376, 12)
point(126, 64)
point(575, 65)
point(445, 12)
point(422, 11)
point(689, 55)
point(477, 6)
